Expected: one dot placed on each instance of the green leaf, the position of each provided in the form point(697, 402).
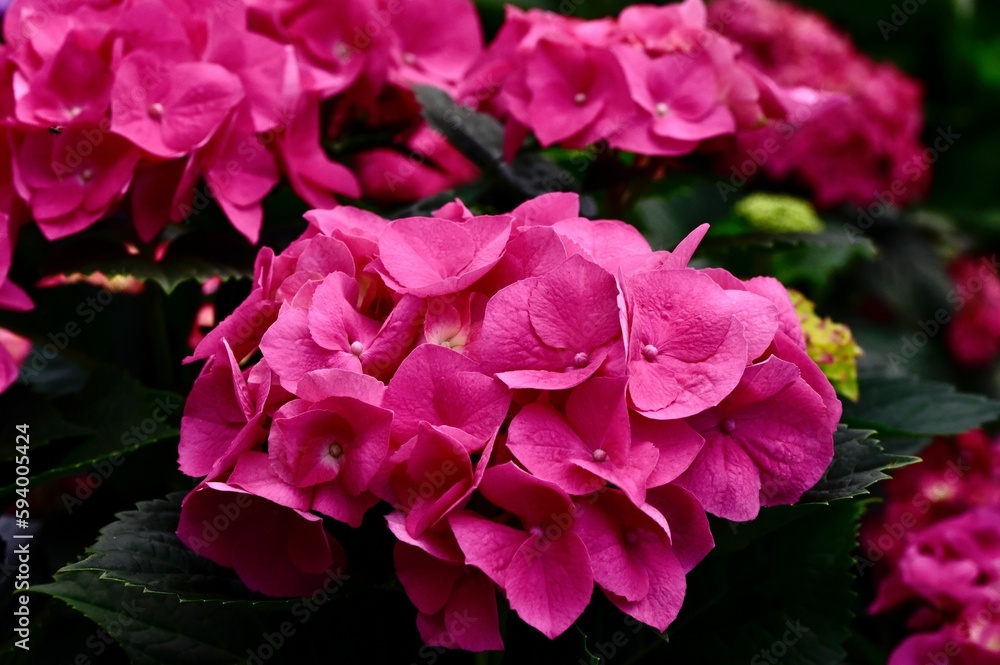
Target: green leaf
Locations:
point(858, 462)
point(913, 407)
point(116, 415)
point(159, 629)
point(141, 548)
point(480, 138)
point(787, 596)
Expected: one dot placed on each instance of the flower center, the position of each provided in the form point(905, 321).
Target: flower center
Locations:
point(580, 98)
point(728, 425)
point(581, 359)
point(155, 111)
point(87, 174)
point(631, 537)
point(357, 348)
point(662, 109)
point(409, 58)
point(336, 450)
point(600, 455)
point(342, 51)
point(649, 352)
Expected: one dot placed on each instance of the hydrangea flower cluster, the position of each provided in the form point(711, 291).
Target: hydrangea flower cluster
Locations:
point(855, 148)
point(658, 80)
point(937, 544)
point(973, 335)
point(133, 103)
point(143, 98)
point(538, 402)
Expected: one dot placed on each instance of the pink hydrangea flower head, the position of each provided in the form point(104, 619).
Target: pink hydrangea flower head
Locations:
point(973, 335)
point(869, 137)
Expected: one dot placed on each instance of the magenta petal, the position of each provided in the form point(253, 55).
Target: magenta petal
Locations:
point(615, 569)
point(547, 209)
point(442, 387)
point(611, 244)
point(725, 480)
point(428, 581)
point(573, 306)
point(291, 352)
point(544, 442)
point(274, 549)
point(469, 620)
point(331, 499)
point(759, 318)
point(487, 545)
point(667, 586)
point(549, 589)
point(253, 473)
point(535, 501)
point(433, 257)
point(334, 322)
point(677, 442)
point(691, 537)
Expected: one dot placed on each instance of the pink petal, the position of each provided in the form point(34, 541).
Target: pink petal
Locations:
point(549, 589)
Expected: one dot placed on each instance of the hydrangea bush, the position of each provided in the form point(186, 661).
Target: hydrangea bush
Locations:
point(402, 331)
